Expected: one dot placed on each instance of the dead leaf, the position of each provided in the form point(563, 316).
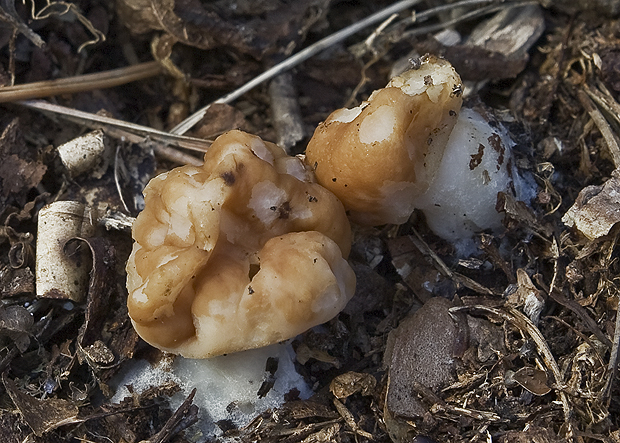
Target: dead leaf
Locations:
point(421, 352)
point(41, 415)
point(532, 379)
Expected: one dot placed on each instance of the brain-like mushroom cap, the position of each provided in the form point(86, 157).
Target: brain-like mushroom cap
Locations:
point(378, 156)
point(241, 253)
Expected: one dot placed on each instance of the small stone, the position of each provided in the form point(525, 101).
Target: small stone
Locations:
point(421, 352)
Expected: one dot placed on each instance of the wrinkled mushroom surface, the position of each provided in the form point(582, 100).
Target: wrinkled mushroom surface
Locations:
point(378, 156)
point(241, 253)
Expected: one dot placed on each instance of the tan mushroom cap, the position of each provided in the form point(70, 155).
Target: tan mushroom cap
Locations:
point(241, 253)
point(378, 156)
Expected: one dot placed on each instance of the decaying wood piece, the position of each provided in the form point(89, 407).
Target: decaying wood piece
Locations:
point(285, 108)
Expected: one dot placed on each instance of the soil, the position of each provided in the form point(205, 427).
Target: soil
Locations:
point(531, 333)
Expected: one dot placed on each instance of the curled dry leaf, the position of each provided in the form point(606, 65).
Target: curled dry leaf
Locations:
point(16, 322)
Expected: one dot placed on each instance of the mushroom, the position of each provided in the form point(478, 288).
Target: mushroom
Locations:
point(411, 146)
point(379, 156)
point(242, 252)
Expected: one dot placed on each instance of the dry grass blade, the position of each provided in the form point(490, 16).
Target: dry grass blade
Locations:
point(79, 83)
point(583, 315)
point(131, 131)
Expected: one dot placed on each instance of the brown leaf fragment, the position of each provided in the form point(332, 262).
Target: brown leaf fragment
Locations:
point(487, 336)
point(18, 175)
point(15, 216)
point(476, 63)
point(497, 49)
point(299, 410)
point(41, 415)
point(532, 379)
point(207, 26)
point(304, 353)
point(144, 15)
point(99, 353)
point(596, 209)
point(351, 383)
point(517, 211)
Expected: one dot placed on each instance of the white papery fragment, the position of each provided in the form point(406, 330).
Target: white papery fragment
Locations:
point(58, 275)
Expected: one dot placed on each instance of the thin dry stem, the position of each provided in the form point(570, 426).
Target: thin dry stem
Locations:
point(119, 128)
point(79, 83)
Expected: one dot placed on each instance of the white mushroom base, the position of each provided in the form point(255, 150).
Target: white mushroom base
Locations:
point(477, 164)
point(227, 386)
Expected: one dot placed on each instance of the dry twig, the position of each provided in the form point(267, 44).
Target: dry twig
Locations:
point(79, 83)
